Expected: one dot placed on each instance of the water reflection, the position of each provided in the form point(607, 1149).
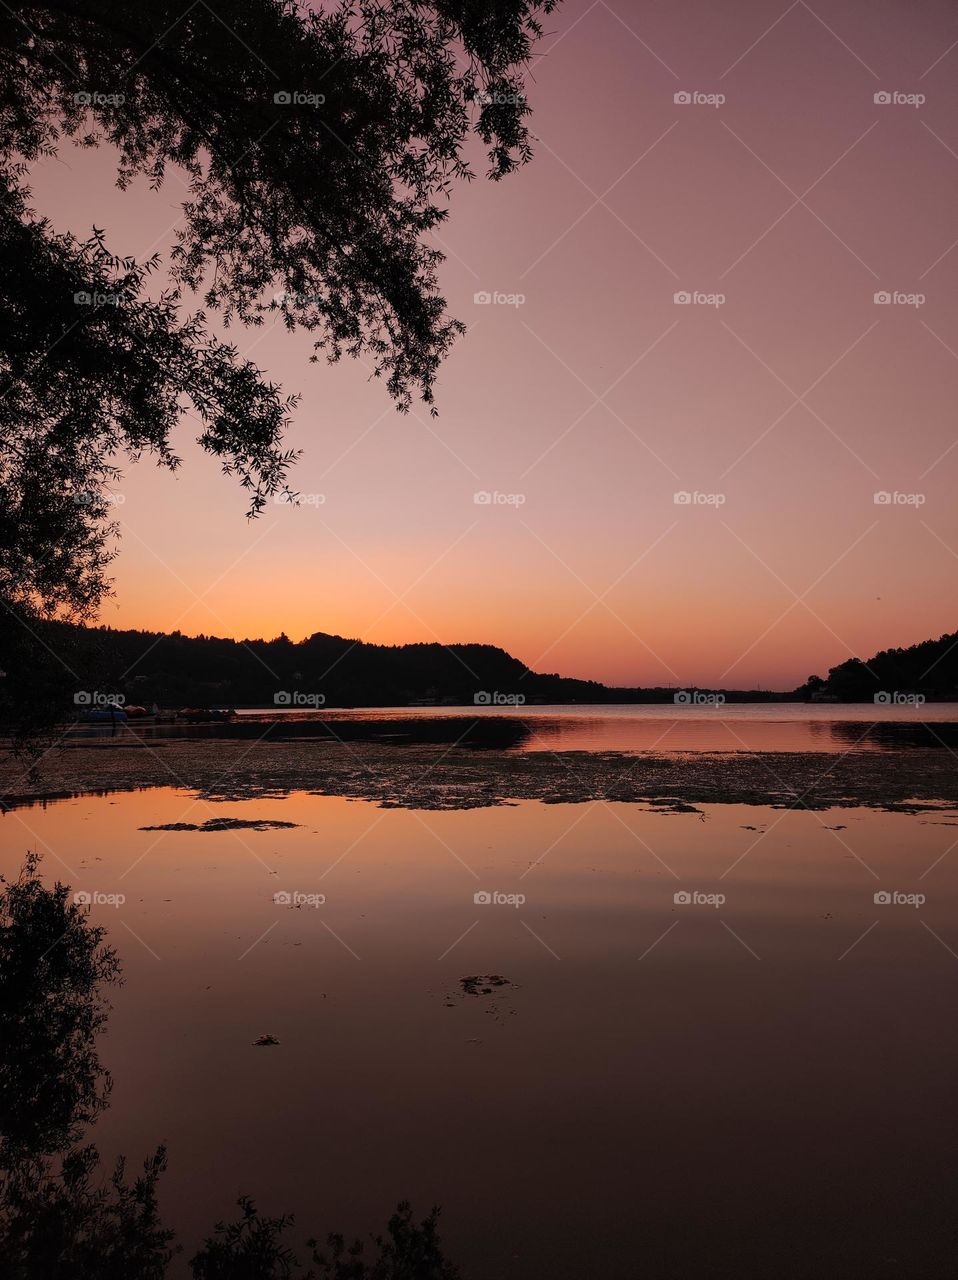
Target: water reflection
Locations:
point(896, 735)
point(628, 729)
point(54, 970)
point(61, 1217)
point(499, 733)
point(58, 1215)
point(656, 1083)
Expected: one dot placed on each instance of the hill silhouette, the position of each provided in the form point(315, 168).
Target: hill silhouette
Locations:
point(929, 669)
point(322, 670)
point(175, 670)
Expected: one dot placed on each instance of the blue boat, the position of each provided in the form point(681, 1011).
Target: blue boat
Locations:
point(103, 715)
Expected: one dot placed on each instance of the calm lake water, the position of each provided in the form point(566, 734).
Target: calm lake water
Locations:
point(756, 1082)
point(784, 726)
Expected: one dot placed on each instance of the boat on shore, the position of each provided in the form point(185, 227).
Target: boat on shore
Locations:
point(103, 715)
point(149, 715)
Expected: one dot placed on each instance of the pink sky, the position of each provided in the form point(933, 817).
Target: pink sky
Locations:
point(599, 398)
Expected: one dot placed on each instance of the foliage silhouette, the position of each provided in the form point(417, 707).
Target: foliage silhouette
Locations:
point(247, 1249)
point(318, 146)
point(929, 668)
point(178, 670)
point(58, 1221)
point(407, 1252)
point(252, 1248)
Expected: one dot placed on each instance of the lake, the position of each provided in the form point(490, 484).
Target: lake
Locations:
point(782, 726)
point(725, 1046)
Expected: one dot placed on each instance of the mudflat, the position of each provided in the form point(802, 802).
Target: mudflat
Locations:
point(438, 776)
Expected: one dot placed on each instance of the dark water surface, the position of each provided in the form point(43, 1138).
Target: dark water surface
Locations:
point(786, 726)
point(760, 1086)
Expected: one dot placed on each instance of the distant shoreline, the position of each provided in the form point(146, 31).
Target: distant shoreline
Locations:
point(329, 671)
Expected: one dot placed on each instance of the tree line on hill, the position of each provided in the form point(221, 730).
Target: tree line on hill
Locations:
point(83, 665)
point(928, 669)
point(60, 668)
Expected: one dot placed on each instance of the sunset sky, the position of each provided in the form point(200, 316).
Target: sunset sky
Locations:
point(597, 397)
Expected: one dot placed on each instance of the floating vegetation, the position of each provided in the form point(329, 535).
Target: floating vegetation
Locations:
point(225, 824)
